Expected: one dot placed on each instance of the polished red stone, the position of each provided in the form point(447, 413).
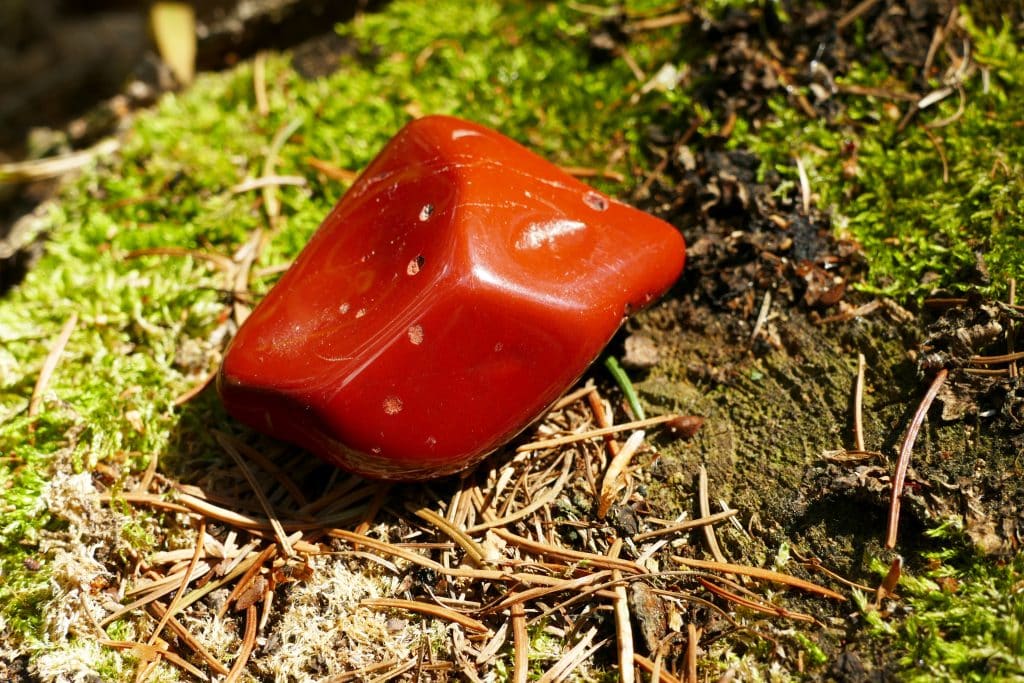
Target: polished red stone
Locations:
point(457, 289)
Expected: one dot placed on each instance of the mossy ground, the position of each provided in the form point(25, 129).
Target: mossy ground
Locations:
point(525, 71)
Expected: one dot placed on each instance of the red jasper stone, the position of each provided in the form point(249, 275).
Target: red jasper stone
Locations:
point(452, 295)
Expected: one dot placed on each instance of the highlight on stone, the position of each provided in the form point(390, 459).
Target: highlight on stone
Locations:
point(449, 298)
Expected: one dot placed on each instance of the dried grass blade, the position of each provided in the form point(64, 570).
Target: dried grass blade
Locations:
point(428, 609)
point(762, 607)
point(473, 550)
point(415, 558)
point(687, 525)
point(248, 641)
point(648, 666)
point(567, 554)
point(176, 600)
point(705, 511)
point(520, 645)
point(595, 433)
point(858, 405)
point(903, 461)
point(572, 659)
point(50, 364)
point(611, 483)
point(186, 637)
point(540, 501)
point(759, 573)
point(247, 576)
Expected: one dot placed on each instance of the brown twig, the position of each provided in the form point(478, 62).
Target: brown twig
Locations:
point(858, 405)
point(705, 511)
point(428, 609)
point(859, 10)
point(1011, 329)
point(595, 433)
point(692, 636)
point(185, 579)
point(520, 644)
point(613, 475)
point(50, 364)
point(903, 462)
point(759, 573)
point(623, 628)
point(331, 171)
point(756, 605)
point(687, 525)
point(248, 642)
point(259, 83)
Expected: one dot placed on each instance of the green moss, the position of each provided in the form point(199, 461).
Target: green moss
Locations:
point(964, 616)
point(919, 231)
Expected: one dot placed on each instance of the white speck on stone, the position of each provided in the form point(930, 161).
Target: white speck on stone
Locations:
point(547, 233)
point(416, 334)
point(595, 201)
point(343, 309)
point(414, 265)
point(361, 312)
point(392, 405)
point(426, 212)
point(464, 133)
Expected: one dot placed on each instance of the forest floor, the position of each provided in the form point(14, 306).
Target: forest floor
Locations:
point(850, 183)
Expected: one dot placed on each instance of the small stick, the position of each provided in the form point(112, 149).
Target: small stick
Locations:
point(688, 524)
point(805, 185)
point(472, 549)
point(758, 573)
point(259, 83)
point(1011, 330)
point(623, 628)
point(604, 420)
point(858, 405)
point(271, 204)
point(705, 511)
point(180, 592)
point(612, 478)
point(428, 609)
point(186, 636)
point(50, 364)
point(51, 167)
point(267, 180)
point(756, 605)
point(195, 390)
point(567, 554)
point(572, 397)
point(219, 260)
point(331, 171)
point(520, 645)
point(762, 315)
point(859, 10)
point(248, 641)
point(594, 433)
point(903, 462)
point(586, 172)
point(649, 666)
point(691, 652)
